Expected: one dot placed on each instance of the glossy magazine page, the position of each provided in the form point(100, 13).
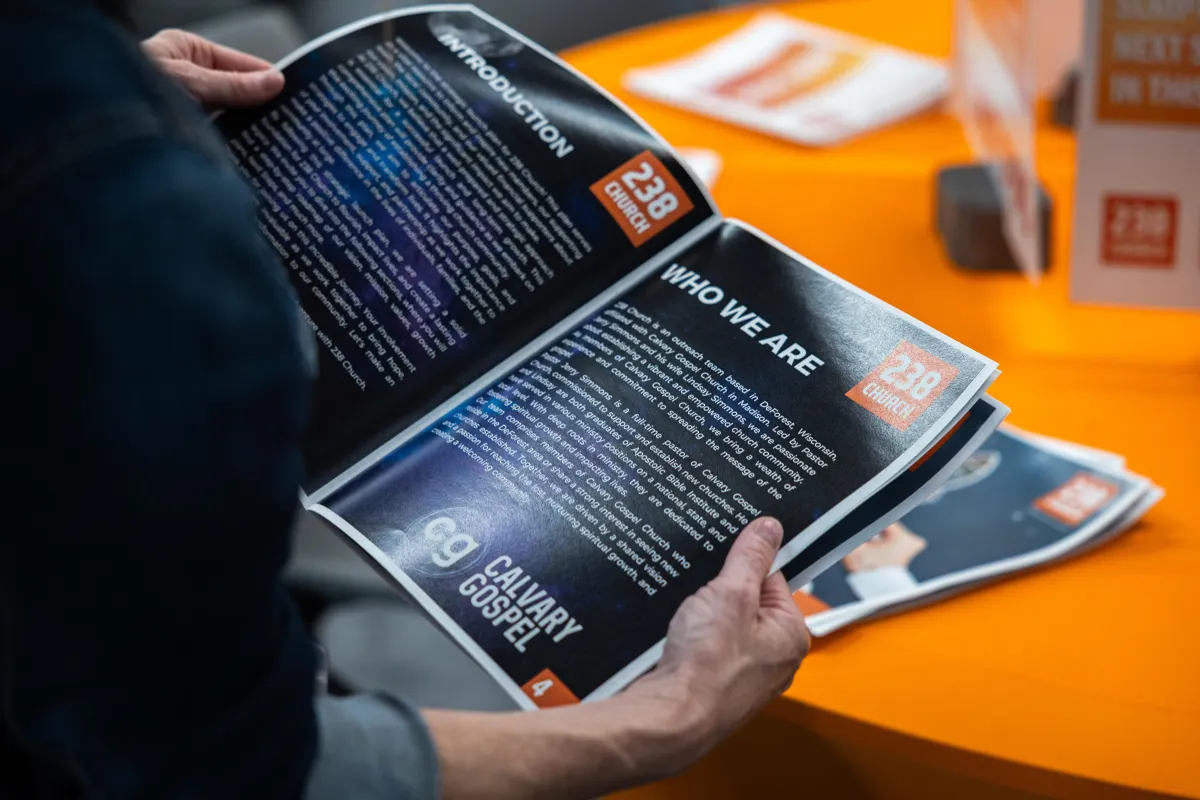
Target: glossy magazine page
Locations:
point(553, 523)
point(832, 620)
point(1014, 504)
point(441, 191)
point(904, 493)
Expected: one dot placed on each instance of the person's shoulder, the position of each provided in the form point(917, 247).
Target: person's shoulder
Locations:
point(74, 84)
point(115, 191)
point(95, 142)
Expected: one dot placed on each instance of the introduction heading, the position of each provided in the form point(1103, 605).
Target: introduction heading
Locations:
point(749, 323)
point(502, 86)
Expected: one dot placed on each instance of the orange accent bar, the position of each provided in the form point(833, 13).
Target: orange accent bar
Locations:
point(1146, 67)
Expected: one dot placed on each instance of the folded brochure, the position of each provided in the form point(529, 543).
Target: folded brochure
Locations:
point(553, 382)
point(796, 80)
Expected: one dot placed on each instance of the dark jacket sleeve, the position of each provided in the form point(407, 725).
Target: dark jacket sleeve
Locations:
point(155, 397)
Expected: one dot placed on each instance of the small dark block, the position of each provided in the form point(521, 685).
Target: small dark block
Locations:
point(971, 224)
point(1062, 111)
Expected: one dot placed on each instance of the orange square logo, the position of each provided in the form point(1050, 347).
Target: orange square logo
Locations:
point(1139, 231)
point(1077, 499)
point(903, 386)
point(642, 196)
point(547, 691)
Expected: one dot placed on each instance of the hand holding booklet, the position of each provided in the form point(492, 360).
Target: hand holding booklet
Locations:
point(553, 382)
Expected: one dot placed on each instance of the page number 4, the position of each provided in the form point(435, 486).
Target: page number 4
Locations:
point(541, 687)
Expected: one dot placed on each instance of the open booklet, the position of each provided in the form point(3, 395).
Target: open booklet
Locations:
point(1018, 502)
point(553, 382)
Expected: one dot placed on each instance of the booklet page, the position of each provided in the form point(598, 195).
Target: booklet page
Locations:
point(442, 191)
point(831, 620)
point(900, 496)
point(555, 522)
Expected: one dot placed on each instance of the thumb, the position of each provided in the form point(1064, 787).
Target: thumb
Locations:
point(776, 595)
point(219, 89)
point(750, 558)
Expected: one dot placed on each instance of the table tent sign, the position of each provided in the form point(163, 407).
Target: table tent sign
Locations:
point(1137, 194)
point(995, 97)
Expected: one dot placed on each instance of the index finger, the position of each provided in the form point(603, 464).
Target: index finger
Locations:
point(749, 560)
point(229, 60)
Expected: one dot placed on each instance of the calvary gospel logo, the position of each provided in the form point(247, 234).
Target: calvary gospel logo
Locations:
point(445, 542)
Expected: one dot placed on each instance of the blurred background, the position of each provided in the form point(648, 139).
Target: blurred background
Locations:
point(271, 30)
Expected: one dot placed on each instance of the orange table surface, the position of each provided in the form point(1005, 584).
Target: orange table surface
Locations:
point(1080, 680)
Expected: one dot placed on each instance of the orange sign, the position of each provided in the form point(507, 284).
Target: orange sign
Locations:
point(903, 386)
point(797, 69)
point(547, 691)
point(1077, 499)
point(642, 196)
point(1149, 63)
point(1139, 231)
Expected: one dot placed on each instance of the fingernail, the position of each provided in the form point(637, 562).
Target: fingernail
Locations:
point(770, 527)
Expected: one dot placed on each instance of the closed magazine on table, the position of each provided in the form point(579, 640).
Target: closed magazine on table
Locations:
point(1017, 502)
point(795, 80)
point(553, 382)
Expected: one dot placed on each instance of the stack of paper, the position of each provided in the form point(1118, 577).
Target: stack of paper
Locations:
point(798, 81)
point(1020, 501)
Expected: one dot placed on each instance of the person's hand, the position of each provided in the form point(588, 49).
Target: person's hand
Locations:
point(735, 644)
point(215, 76)
point(897, 546)
point(730, 648)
